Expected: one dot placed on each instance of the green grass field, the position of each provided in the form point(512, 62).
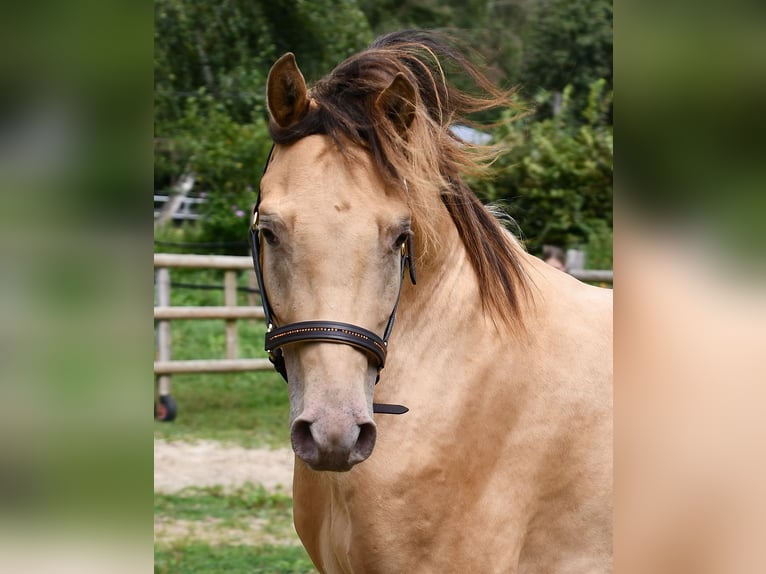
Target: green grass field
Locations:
point(243, 531)
point(248, 409)
point(210, 530)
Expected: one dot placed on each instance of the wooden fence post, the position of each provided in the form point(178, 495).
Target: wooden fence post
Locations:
point(163, 328)
point(230, 300)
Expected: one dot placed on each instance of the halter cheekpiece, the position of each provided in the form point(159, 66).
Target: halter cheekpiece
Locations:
point(371, 344)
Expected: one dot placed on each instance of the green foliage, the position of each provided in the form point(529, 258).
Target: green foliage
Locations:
point(599, 246)
point(389, 15)
point(225, 156)
point(226, 159)
point(555, 179)
point(492, 29)
point(567, 44)
point(321, 33)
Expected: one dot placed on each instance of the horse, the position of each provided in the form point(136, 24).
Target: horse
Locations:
point(450, 394)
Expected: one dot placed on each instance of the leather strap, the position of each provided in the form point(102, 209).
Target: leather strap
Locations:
point(387, 409)
point(329, 332)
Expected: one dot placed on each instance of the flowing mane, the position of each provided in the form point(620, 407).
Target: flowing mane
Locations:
point(427, 157)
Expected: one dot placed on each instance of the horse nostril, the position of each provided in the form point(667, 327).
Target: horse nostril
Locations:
point(364, 443)
point(336, 448)
point(303, 441)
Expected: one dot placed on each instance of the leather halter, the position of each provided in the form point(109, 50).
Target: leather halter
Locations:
point(371, 344)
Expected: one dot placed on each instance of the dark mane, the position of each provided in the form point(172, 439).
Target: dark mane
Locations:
point(428, 157)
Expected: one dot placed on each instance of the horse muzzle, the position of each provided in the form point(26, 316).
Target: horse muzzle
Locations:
point(333, 443)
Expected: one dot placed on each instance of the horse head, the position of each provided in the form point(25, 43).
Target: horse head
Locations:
point(332, 240)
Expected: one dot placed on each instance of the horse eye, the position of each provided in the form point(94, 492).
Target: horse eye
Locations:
point(269, 236)
point(401, 239)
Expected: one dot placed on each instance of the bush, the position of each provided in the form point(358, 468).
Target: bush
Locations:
point(555, 179)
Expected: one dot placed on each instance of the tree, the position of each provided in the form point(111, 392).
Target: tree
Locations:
point(567, 44)
point(492, 28)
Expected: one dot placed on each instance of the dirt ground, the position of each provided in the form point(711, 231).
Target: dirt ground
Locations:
point(178, 465)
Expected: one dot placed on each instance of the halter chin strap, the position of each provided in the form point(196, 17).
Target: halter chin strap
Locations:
point(365, 341)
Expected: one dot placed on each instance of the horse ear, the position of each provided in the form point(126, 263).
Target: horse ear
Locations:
point(286, 92)
point(397, 101)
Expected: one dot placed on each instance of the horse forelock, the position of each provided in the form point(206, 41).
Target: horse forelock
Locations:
point(427, 156)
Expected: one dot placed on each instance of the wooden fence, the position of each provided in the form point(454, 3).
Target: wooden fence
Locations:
point(230, 312)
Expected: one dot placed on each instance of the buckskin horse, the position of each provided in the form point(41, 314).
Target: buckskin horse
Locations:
point(485, 444)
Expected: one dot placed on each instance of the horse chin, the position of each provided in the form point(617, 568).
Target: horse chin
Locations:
point(329, 466)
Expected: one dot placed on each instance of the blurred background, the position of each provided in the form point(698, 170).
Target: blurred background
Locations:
point(690, 292)
point(75, 242)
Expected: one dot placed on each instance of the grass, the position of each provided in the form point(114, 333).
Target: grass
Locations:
point(248, 529)
point(246, 501)
point(199, 558)
point(248, 409)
